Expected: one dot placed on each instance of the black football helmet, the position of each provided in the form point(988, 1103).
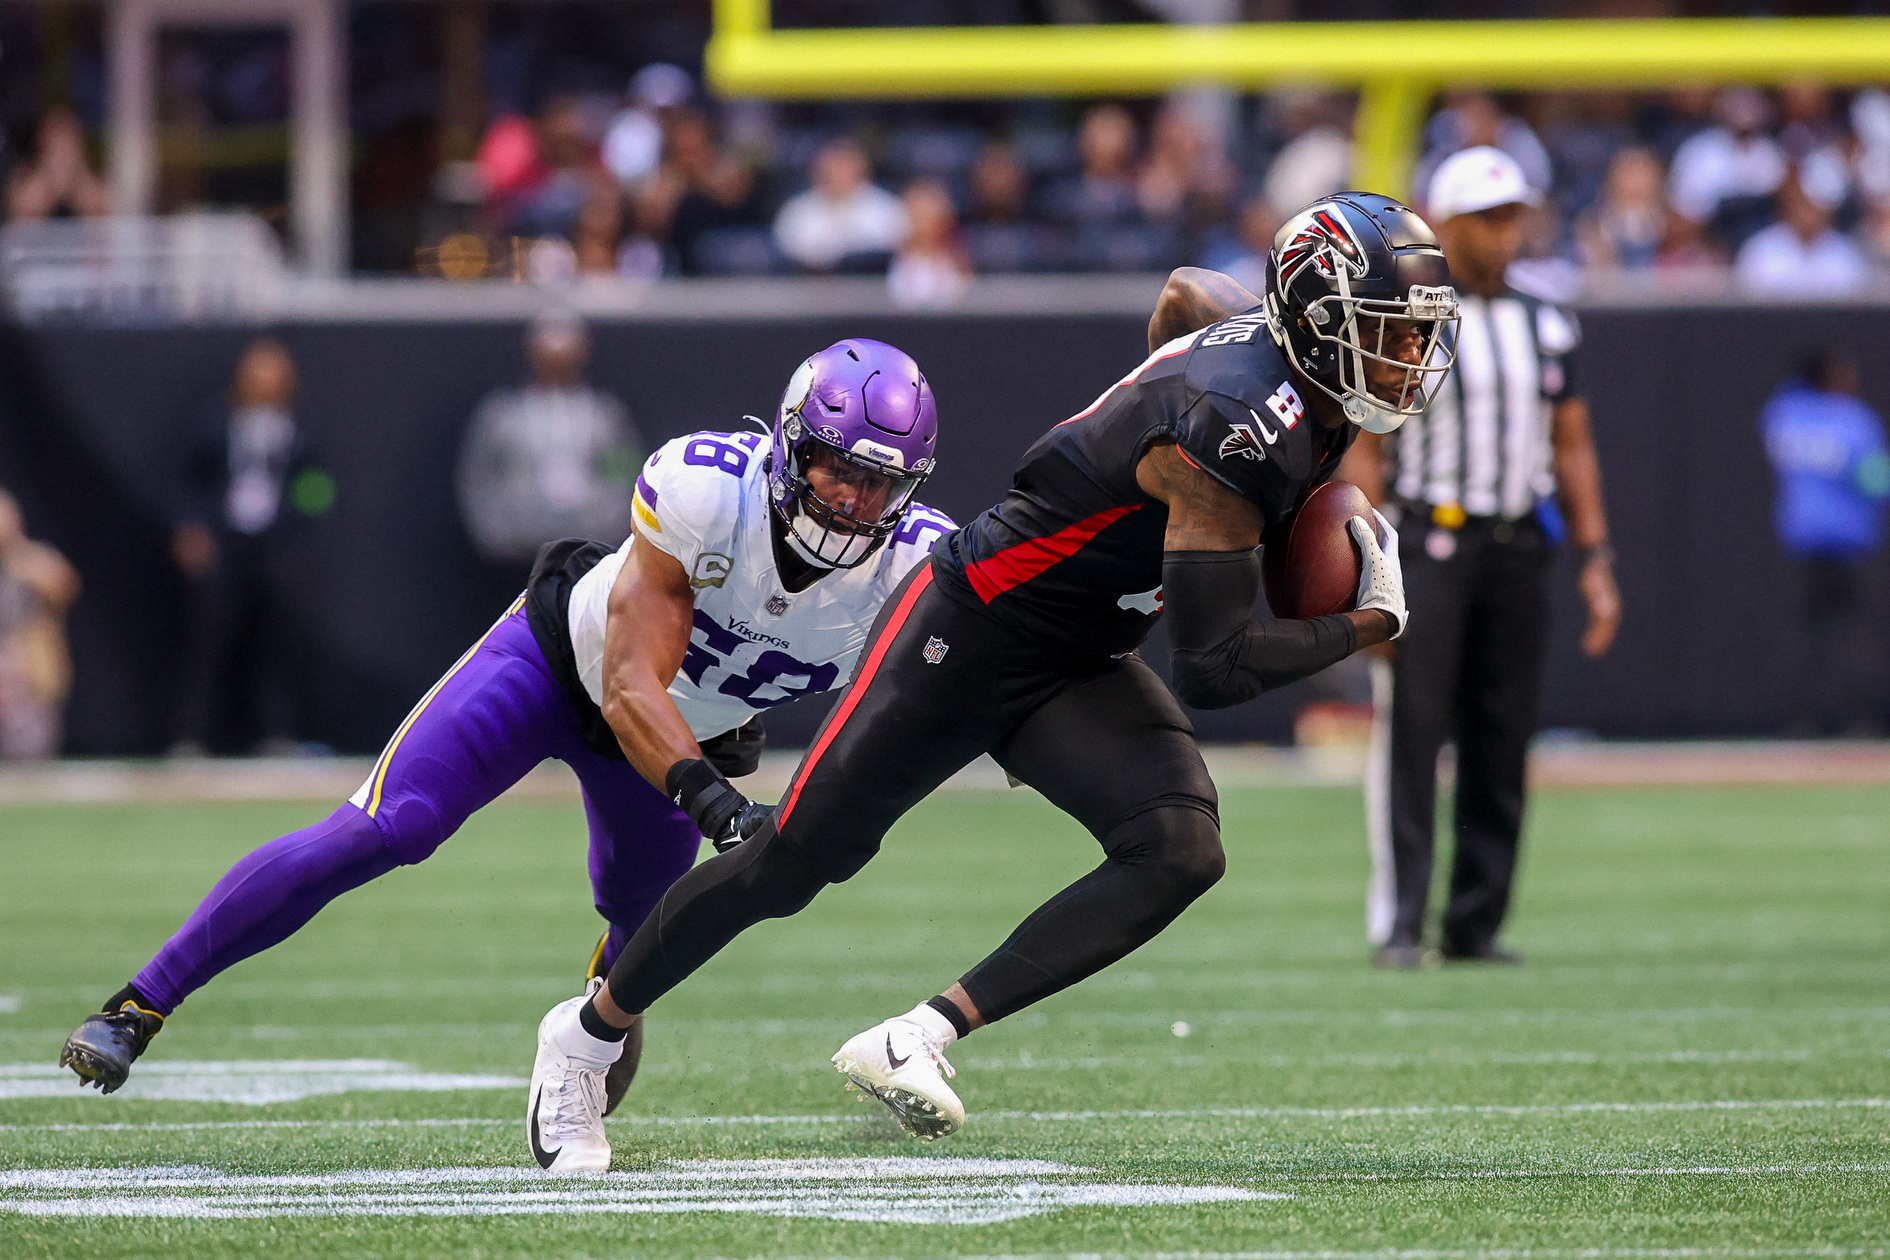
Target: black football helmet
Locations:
point(1348, 275)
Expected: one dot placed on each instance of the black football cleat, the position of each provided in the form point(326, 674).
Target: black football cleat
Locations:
point(624, 1070)
point(105, 1046)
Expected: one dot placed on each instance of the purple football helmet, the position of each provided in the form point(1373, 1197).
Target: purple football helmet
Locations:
point(859, 417)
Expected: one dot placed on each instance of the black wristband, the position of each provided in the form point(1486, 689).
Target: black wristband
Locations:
point(701, 792)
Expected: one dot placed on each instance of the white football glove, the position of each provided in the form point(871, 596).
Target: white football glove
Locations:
point(1380, 575)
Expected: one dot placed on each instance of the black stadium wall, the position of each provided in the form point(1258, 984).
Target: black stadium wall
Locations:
point(386, 590)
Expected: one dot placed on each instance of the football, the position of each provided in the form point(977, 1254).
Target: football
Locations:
point(1314, 570)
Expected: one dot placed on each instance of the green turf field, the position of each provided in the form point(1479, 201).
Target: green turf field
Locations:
point(1696, 1061)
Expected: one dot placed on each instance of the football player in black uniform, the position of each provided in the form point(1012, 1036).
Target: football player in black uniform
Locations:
point(1019, 638)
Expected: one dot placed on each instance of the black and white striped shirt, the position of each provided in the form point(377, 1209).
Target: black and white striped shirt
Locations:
point(1483, 445)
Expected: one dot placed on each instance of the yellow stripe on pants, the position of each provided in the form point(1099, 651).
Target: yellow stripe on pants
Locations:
point(393, 745)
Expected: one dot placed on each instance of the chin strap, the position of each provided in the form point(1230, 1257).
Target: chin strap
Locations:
point(825, 565)
point(803, 554)
point(1370, 418)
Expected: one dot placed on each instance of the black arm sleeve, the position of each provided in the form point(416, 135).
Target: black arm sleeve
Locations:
point(1222, 655)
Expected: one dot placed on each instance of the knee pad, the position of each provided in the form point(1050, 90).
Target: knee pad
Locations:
point(410, 827)
point(1176, 842)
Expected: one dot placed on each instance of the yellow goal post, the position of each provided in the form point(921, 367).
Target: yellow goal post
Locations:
point(1395, 66)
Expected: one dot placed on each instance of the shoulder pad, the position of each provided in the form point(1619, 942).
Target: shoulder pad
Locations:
point(1260, 452)
point(689, 494)
point(1239, 358)
point(920, 529)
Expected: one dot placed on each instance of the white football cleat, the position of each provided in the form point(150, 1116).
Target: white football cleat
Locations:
point(565, 1113)
point(898, 1063)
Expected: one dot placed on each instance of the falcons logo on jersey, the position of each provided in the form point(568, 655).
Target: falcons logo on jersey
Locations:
point(1324, 241)
point(1241, 441)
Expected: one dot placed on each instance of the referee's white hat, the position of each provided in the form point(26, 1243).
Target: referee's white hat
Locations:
point(1479, 178)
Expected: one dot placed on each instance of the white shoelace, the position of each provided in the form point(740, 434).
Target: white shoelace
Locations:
point(934, 1050)
point(577, 1104)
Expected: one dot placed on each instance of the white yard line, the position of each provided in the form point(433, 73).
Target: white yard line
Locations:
point(1024, 1061)
point(900, 1190)
point(1193, 1113)
point(253, 1082)
point(1505, 1174)
point(1462, 1109)
point(185, 1126)
point(1523, 1253)
point(697, 1066)
point(1161, 1017)
point(940, 1190)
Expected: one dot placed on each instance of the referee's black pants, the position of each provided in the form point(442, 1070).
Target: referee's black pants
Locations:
point(1469, 668)
point(242, 681)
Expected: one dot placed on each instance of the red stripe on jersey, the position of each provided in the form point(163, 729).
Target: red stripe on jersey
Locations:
point(855, 690)
point(1016, 565)
point(1144, 366)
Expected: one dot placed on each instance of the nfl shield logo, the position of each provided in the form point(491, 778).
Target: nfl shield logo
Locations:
point(777, 604)
point(935, 649)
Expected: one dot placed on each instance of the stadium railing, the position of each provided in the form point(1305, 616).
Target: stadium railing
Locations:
point(142, 269)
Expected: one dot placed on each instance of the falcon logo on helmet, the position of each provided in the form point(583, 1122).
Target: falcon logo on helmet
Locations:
point(1359, 298)
point(1325, 241)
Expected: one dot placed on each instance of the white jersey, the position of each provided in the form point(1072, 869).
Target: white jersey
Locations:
point(704, 500)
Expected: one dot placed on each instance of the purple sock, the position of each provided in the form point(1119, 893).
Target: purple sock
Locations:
point(264, 898)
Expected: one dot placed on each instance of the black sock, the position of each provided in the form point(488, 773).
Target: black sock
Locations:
point(949, 1009)
point(594, 1025)
point(130, 994)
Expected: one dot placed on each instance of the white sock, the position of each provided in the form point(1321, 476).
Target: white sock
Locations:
point(936, 1026)
point(568, 1032)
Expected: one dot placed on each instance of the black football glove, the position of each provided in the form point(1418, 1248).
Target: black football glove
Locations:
point(747, 821)
point(721, 813)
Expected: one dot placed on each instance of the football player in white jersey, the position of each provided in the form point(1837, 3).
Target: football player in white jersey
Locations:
point(754, 573)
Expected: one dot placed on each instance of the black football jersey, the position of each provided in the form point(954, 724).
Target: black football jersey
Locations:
point(1072, 557)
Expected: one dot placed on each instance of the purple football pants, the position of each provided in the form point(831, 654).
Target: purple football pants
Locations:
point(494, 716)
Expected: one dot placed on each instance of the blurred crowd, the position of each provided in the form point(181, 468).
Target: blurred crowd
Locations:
point(1790, 189)
point(1786, 190)
point(54, 178)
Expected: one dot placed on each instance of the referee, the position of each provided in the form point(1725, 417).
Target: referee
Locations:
point(1471, 484)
